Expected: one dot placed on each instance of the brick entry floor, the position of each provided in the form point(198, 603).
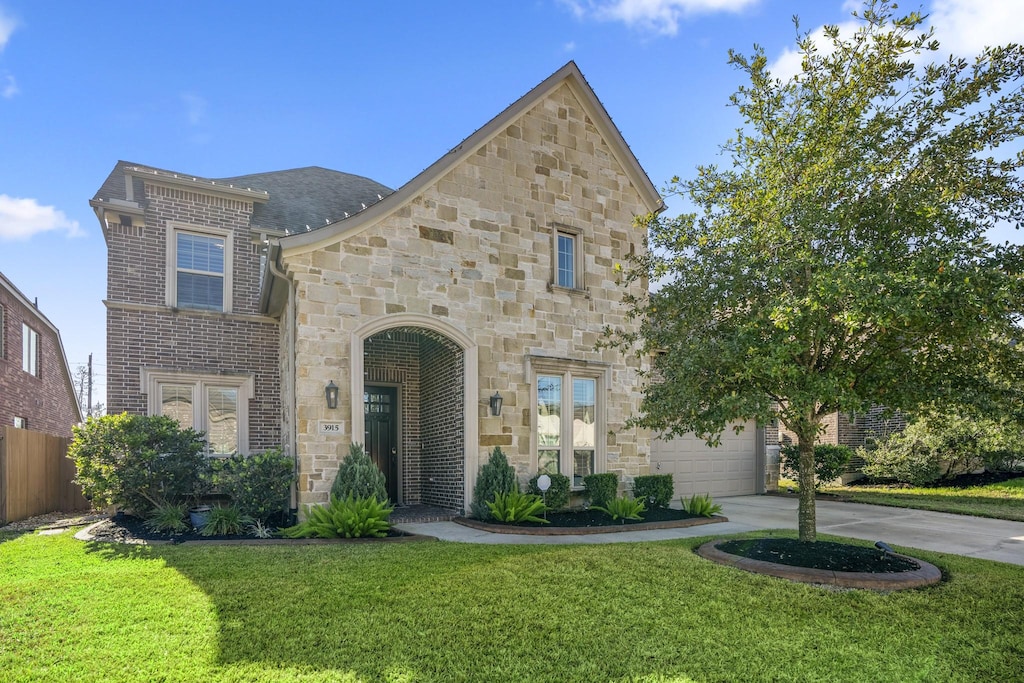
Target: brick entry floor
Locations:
point(410, 514)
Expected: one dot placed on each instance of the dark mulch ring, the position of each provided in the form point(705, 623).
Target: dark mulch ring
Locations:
point(130, 529)
point(592, 518)
point(825, 555)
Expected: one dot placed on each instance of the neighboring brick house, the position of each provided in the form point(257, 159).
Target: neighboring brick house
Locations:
point(489, 275)
point(36, 391)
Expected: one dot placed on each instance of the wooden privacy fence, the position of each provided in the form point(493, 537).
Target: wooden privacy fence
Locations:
point(36, 475)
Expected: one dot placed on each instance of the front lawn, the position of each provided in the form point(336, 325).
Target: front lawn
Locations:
point(1002, 500)
point(424, 611)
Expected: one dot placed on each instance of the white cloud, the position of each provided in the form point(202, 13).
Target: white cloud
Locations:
point(569, 47)
point(657, 16)
point(20, 219)
point(962, 27)
point(8, 86)
point(195, 107)
point(7, 26)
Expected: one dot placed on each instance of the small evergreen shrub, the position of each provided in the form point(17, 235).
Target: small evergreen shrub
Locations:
point(557, 497)
point(830, 461)
point(168, 518)
point(601, 489)
point(656, 490)
point(496, 476)
point(225, 521)
point(138, 462)
point(344, 518)
point(358, 477)
point(514, 507)
point(259, 485)
point(622, 508)
point(701, 506)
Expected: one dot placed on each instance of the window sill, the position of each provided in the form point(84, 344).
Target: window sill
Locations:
point(552, 287)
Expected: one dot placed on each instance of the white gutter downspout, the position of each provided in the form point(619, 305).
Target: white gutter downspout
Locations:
point(289, 378)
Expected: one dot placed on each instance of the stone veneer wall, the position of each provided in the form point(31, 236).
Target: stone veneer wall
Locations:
point(474, 251)
point(143, 331)
point(443, 476)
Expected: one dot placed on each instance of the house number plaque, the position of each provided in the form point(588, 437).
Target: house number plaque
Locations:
point(330, 427)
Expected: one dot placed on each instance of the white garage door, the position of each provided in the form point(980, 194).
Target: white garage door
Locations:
point(726, 470)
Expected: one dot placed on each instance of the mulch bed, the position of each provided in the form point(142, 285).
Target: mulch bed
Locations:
point(569, 522)
point(131, 529)
point(839, 557)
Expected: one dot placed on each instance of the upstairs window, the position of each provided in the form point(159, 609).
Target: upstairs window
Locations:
point(200, 272)
point(567, 257)
point(29, 350)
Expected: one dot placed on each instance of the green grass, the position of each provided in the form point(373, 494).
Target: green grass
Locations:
point(1004, 500)
point(448, 612)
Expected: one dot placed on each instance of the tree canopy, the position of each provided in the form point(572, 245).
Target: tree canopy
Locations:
point(840, 258)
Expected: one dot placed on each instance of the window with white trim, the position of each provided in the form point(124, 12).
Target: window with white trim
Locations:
point(213, 404)
point(567, 418)
point(199, 268)
point(20, 423)
point(567, 261)
point(29, 350)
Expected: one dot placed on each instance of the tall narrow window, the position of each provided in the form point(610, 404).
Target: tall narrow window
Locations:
point(200, 271)
point(176, 402)
point(566, 275)
point(549, 423)
point(29, 350)
point(584, 420)
point(222, 420)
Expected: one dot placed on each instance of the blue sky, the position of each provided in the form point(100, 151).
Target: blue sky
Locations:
point(380, 89)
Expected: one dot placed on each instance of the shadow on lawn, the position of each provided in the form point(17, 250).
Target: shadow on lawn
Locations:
point(416, 611)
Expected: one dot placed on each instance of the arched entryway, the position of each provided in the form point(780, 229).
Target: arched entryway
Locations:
point(414, 403)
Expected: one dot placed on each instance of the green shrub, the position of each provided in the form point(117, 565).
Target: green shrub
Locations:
point(496, 476)
point(943, 445)
point(514, 507)
point(168, 518)
point(701, 506)
point(622, 508)
point(259, 485)
point(137, 462)
point(348, 517)
point(656, 490)
point(557, 497)
point(830, 461)
point(358, 477)
point(601, 489)
point(225, 521)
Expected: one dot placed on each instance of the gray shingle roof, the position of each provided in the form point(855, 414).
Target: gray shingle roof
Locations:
point(298, 197)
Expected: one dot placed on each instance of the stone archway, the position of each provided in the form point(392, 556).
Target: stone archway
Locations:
point(431, 369)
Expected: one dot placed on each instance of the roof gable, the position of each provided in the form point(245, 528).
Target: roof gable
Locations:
point(568, 75)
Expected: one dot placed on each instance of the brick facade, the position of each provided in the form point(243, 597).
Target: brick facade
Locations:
point(145, 331)
point(47, 401)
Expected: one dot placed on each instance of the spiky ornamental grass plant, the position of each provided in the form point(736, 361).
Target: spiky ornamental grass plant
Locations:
point(514, 508)
point(839, 259)
point(347, 517)
point(622, 508)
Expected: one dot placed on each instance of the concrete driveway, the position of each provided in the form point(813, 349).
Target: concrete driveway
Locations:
point(990, 539)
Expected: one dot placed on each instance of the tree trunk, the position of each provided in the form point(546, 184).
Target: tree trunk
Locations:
point(806, 516)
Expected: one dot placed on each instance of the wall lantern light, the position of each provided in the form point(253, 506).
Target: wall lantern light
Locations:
point(331, 392)
point(496, 404)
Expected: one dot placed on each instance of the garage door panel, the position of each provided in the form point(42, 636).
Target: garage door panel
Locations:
point(728, 469)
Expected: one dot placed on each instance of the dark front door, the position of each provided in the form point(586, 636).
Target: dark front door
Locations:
point(380, 417)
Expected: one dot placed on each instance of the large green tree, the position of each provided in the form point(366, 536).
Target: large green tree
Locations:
point(840, 258)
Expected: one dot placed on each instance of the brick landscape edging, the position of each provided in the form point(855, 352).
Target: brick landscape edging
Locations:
point(925, 575)
point(585, 530)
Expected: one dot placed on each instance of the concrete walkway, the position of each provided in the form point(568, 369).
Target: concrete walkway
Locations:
point(990, 539)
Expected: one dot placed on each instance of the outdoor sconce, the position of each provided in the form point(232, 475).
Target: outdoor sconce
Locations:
point(332, 395)
point(496, 404)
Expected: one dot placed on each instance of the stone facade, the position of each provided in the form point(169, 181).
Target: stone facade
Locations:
point(46, 401)
point(473, 252)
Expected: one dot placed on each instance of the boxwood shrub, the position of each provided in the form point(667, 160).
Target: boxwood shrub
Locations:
point(601, 489)
point(655, 490)
point(557, 497)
